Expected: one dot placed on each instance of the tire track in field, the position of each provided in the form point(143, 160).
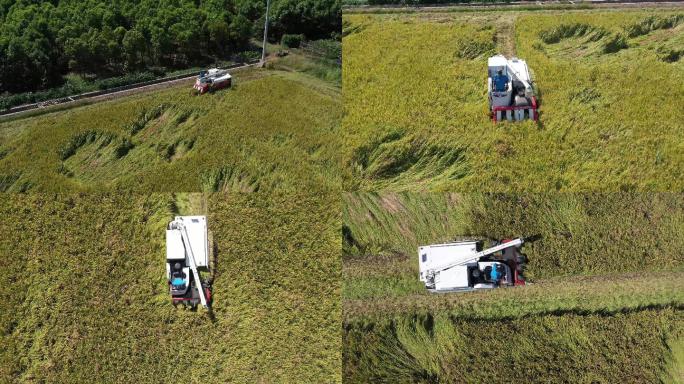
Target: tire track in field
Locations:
point(578, 294)
point(505, 35)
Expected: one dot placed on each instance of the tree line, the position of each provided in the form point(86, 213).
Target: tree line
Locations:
point(40, 41)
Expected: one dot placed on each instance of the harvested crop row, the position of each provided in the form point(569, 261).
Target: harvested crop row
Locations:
point(606, 294)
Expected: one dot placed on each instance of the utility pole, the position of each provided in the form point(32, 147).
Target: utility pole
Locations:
point(263, 48)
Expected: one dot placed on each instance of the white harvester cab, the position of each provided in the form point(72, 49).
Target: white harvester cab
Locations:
point(187, 253)
point(510, 90)
point(465, 266)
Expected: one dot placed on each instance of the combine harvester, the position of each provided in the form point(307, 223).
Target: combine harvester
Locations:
point(464, 266)
point(212, 80)
point(187, 253)
point(511, 94)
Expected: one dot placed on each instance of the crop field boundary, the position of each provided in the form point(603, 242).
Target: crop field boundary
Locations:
point(101, 98)
point(582, 296)
point(381, 316)
point(95, 96)
point(517, 6)
point(353, 322)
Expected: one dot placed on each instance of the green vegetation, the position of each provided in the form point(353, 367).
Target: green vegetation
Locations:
point(86, 299)
point(320, 58)
point(291, 41)
point(604, 261)
point(417, 113)
point(42, 41)
point(272, 130)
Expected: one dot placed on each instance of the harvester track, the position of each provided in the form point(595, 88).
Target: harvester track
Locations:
point(505, 35)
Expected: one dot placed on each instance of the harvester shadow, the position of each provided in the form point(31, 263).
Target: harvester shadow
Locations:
point(525, 259)
point(211, 316)
point(540, 113)
point(533, 238)
point(212, 277)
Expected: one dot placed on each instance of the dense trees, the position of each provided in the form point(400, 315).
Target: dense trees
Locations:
point(42, 40)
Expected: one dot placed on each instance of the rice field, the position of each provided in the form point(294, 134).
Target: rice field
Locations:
point(625, 347)
point(601, 259)
point(86, 296)
point(274, 130)
point(580, 234)
point(416, 108)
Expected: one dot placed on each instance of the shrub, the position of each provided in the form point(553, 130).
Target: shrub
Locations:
point(291, 41)
point(132, 78)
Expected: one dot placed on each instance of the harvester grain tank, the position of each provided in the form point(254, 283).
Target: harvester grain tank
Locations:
point(511, 91)
point(212, 80)
point(187, 254)
point(466, 266)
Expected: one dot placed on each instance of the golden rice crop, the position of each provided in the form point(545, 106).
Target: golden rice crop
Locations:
point(610, 85)
point(272, 130)
point(87, 298)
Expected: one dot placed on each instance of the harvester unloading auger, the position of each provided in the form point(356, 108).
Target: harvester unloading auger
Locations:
point(187, 253)
point(465, 266)
point(510, 89)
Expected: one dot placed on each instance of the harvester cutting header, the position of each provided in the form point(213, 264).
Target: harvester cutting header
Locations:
point(511, 93)
point(465, 266)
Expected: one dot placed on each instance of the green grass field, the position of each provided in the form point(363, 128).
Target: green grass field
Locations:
point(85, 296)
point(274, 130)
point(610, 257)
point(609, 83)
